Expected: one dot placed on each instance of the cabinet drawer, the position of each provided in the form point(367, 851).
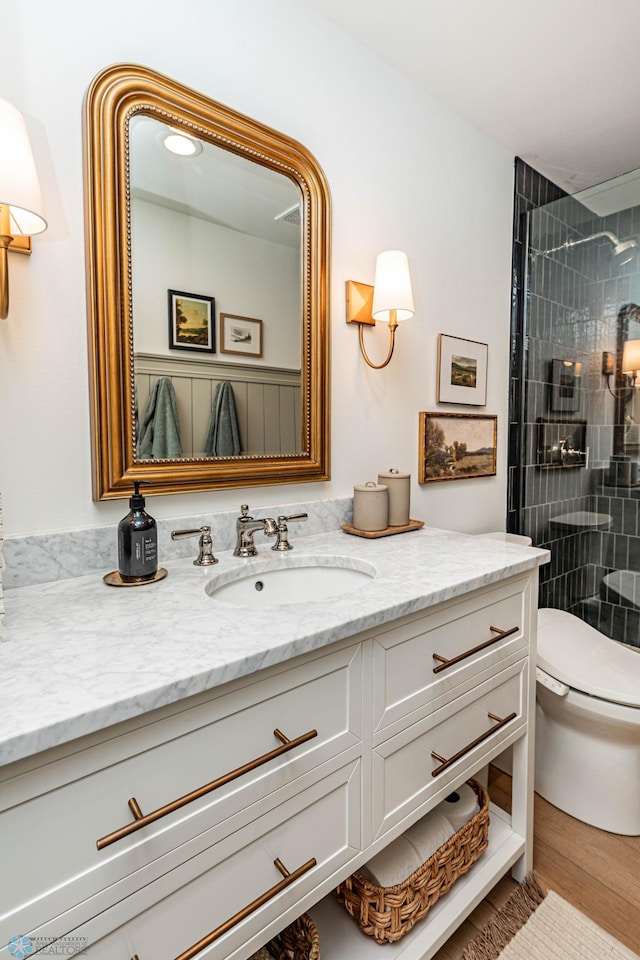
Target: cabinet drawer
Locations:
point(314, 834)
point(86, 793)
point(428, 659)
point(406, 771)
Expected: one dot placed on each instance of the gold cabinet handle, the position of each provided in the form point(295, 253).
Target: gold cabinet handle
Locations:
point(445, 764)
point(273, 891)
point(444, 663)
point(141, 820)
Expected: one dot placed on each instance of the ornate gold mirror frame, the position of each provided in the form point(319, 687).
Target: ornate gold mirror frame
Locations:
point(118, 94)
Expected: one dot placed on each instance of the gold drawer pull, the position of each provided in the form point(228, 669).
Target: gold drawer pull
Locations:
point(444, 764)
point(444, 663)
point(142, 821)
point(289, 878)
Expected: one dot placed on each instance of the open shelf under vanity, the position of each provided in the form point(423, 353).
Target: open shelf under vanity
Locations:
point(341, 937)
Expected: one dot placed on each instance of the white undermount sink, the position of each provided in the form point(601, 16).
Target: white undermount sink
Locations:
point(267, 583)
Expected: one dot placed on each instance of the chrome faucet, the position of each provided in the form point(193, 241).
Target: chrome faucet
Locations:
point(246, 526)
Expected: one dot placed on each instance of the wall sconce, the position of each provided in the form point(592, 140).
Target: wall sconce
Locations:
point(21, 213)
point(390, 299)
point(629, 368)
point(631, 360)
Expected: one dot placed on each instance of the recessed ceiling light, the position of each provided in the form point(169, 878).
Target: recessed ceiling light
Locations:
point(181, 144)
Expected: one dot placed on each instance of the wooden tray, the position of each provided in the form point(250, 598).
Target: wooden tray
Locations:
point(387, 532)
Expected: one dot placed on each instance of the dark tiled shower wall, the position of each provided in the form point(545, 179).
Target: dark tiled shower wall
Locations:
point(532, 190)
point(547, 330)
point(573, 298)
point(615, 548)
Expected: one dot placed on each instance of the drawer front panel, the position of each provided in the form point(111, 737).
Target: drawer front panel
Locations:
point(421, 664)
point(318, 832)
point(164, 761)
point(451, 744)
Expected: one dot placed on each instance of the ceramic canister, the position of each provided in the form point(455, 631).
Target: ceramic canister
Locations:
point(370, 506)
point(399, 485)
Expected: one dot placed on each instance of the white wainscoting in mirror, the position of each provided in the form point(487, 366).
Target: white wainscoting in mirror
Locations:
point(267, 401)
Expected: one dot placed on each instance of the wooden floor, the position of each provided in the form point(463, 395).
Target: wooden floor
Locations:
point(597, 872)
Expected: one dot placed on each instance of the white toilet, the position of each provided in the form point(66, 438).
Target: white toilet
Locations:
point(587, 720)
point(588, 723)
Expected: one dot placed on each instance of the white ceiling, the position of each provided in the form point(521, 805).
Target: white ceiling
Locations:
point(557, 82)
point(215, 185)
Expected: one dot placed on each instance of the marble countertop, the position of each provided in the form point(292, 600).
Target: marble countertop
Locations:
point(82, 655)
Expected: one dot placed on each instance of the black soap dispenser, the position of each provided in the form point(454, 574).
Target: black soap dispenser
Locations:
point(137, 541)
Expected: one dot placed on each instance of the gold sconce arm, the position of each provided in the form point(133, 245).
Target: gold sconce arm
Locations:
point(4, 277)
point(5, 240)
point(9, 244)
point(393, 326)
point(21, 208)
point(359, 307)
point(389, 300)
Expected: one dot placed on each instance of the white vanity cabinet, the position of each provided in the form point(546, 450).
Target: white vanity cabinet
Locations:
point(233, 831)
point(208, 776)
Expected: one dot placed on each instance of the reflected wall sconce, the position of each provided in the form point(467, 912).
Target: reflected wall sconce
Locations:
point(389, 300)
point(21, 214)
point(630, 368)
point(631, 360)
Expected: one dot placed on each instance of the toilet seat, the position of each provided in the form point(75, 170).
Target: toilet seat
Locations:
point(577, 654)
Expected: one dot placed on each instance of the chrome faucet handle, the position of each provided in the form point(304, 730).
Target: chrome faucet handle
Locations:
point(205, 554)
point(282, 540)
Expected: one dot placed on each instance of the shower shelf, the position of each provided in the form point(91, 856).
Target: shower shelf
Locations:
point(583, 519)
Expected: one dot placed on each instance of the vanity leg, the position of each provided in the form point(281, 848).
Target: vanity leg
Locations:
point(522, 802)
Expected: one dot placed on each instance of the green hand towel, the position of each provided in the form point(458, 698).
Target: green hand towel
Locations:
point(160, 429)
point(223, 436)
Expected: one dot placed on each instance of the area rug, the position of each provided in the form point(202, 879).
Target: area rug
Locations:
point(533, 925)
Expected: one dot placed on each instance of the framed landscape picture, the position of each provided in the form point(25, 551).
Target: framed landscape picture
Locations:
point(192, 322)
point(457, 446)
point(240, 335)
point(462, 371)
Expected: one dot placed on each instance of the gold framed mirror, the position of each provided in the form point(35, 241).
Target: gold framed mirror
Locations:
point(208, 285)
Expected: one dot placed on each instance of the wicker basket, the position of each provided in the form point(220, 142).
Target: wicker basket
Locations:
point(387, 913)
point(299, 941)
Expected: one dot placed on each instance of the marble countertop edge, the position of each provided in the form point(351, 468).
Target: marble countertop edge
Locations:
point(103, 673)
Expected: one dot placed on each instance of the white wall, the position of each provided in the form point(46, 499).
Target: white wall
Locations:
point(249, 277)
point(403, 172)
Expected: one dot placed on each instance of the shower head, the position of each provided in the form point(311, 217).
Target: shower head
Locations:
point(623, 250)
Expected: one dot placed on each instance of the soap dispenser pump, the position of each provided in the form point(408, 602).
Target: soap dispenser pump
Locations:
point(137, 541)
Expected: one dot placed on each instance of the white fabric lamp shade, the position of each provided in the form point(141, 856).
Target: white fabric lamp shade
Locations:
point(631, 356)
point(19, 187)
point(392, 288)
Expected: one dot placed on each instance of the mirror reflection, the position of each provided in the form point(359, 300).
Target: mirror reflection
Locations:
point(216, 269)
point(208, 292)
